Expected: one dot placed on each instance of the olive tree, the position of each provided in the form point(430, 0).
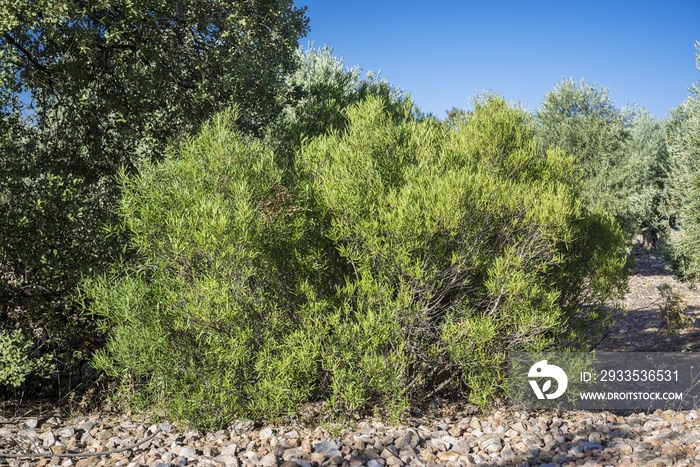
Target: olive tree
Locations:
point(683, 245)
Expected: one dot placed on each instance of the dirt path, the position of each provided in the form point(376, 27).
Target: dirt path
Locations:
point(641, 326)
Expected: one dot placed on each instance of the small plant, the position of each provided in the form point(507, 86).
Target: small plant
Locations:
point(15, 362)
point(674, 310)
point(336, 426)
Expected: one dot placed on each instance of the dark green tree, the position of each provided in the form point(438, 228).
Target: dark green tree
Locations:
point(89, 86)
point(116, 73)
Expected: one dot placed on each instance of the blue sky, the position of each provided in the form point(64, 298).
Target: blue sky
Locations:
point(445, 52)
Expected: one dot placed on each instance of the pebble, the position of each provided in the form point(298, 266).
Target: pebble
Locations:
point(496, 439)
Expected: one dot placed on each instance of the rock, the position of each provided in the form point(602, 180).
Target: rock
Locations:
point(389, 451)
point(371, 453)
point(49, 440)
point(559, 459)
point(437, 444)
point(53, 421)
point(325, 446)
point(165, 427)
point(188, 453)
point(507, 454)
point(449, 441)
point(268, 460)
point(244, 426)
point(520, 427)
point(441, 426)
point(103, 435)
point(622, 448)
point(86, 438)
point(448, 456)
point(30, 423)
point(465, 445)
point(336, 459)
point(490, 443)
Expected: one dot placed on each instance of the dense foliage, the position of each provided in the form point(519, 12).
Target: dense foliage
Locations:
point(640, 198)
point(235, 226)
point(402, 260)
point(683, 243)
point(621, 153)
point(87, 88)
point(146, 68)
point(318, 92)
point(581, 119)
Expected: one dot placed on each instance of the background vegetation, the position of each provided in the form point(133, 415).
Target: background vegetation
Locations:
point(233, 226)
point(683, 244)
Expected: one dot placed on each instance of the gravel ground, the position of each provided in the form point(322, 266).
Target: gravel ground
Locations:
point(500, 438)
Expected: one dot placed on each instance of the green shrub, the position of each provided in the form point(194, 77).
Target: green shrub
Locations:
point(405, 260)
point(209, 299)
point(468, 244)
point(16, 361)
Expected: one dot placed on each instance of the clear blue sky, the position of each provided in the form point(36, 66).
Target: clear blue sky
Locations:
point(445, 52)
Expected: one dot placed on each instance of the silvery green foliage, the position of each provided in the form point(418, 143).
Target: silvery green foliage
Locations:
point(318, 93)
point(639, 200)
point(318, 68)
point(580, 118)
point(683, 244)
point(622, 153)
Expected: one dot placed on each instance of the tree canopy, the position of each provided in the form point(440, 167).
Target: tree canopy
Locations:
point(117, 75)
